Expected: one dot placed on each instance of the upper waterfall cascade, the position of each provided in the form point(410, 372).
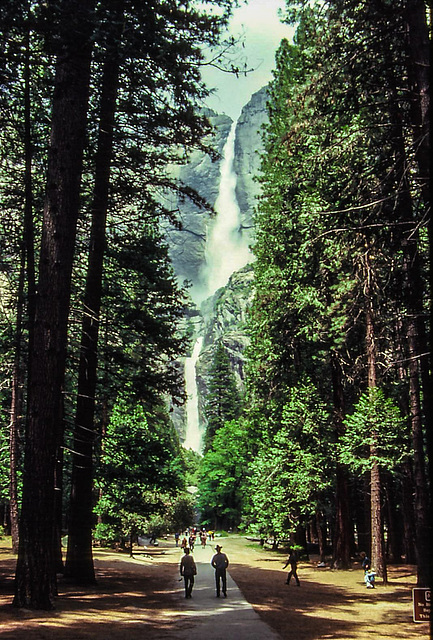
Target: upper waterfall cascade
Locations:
point(226, 252)
point(226, 248)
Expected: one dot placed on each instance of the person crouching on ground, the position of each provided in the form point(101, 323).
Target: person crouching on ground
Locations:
point(220, 562)
point(188, 570)
point(292, 560)
point(369, 574)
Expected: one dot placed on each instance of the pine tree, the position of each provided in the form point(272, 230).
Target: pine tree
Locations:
point(336, 171)
point(223, 401)
point(36, 570)
point(149, 90)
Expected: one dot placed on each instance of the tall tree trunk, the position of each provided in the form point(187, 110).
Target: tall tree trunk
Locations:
point(413, 287)
point(16, 411)
point(29, 232)
point(419, 46)
point(416, 335)
point(419, 50)
point(27, 256)
point(36, 570)
point(343, 532)
point(409, 528)
point(79, 560)
point(394, 548)
point(378, 560)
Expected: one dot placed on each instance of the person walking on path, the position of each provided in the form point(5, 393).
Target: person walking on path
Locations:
point(192, 541)
point(292, 560)
point(188, 570)
point(220, 562)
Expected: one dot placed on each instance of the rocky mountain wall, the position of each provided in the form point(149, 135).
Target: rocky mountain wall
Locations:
point(248, 148)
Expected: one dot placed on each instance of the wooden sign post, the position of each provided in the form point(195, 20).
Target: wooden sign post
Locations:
point(421, 605)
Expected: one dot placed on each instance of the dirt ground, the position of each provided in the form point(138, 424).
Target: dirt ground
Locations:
point(140, 597)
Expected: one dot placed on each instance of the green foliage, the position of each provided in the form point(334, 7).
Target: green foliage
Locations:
point(106, 534)
point(375, 425)
point(192, 461)
point(223, 401)
point(139, 472)
point(181, 513)
point(144, 306)
point(222, 476)
point(292, 473)
point(339, 188)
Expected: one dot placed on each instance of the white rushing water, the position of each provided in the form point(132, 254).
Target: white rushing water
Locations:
point(226, 252)
point(193, 436)
point(226, 248)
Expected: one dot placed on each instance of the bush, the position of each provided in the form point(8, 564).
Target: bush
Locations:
point(106, 535)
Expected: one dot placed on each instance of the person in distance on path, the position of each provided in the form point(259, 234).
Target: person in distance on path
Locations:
point(220, 562)
point(293, 561)
point(188, 570)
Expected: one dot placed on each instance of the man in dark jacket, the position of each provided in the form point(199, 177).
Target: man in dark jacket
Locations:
point(188, 570)
point(220, 562)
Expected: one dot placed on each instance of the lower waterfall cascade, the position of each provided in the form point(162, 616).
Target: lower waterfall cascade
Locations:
point(193, 439)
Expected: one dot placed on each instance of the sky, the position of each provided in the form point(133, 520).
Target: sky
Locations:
point(258, 20)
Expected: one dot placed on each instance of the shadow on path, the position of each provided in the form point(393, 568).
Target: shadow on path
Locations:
point(221, 618)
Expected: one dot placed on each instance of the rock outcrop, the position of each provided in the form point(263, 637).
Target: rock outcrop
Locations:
point(248, 149)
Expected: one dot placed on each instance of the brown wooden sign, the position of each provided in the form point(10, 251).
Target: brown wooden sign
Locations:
point(421, 604)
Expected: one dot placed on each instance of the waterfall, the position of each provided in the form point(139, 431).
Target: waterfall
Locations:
point(226, 249)
point(193, 438)
point(226, 252)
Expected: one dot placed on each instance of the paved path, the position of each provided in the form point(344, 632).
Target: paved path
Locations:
point(212, 618)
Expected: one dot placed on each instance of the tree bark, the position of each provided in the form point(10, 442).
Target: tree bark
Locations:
point(419, 374)
point(79, 560)
point(343, 531)
point(16, 411)
point(409, 535)
point(378, 559)
point(36, 569)
point(419, 79)
point(27, 260)
point(394, 546)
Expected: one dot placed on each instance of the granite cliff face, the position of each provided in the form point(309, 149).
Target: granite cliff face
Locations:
point(224, 320)
point(222, 316)
point(248, 148)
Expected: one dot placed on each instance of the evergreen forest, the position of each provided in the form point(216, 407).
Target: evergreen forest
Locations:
point(329, 440)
